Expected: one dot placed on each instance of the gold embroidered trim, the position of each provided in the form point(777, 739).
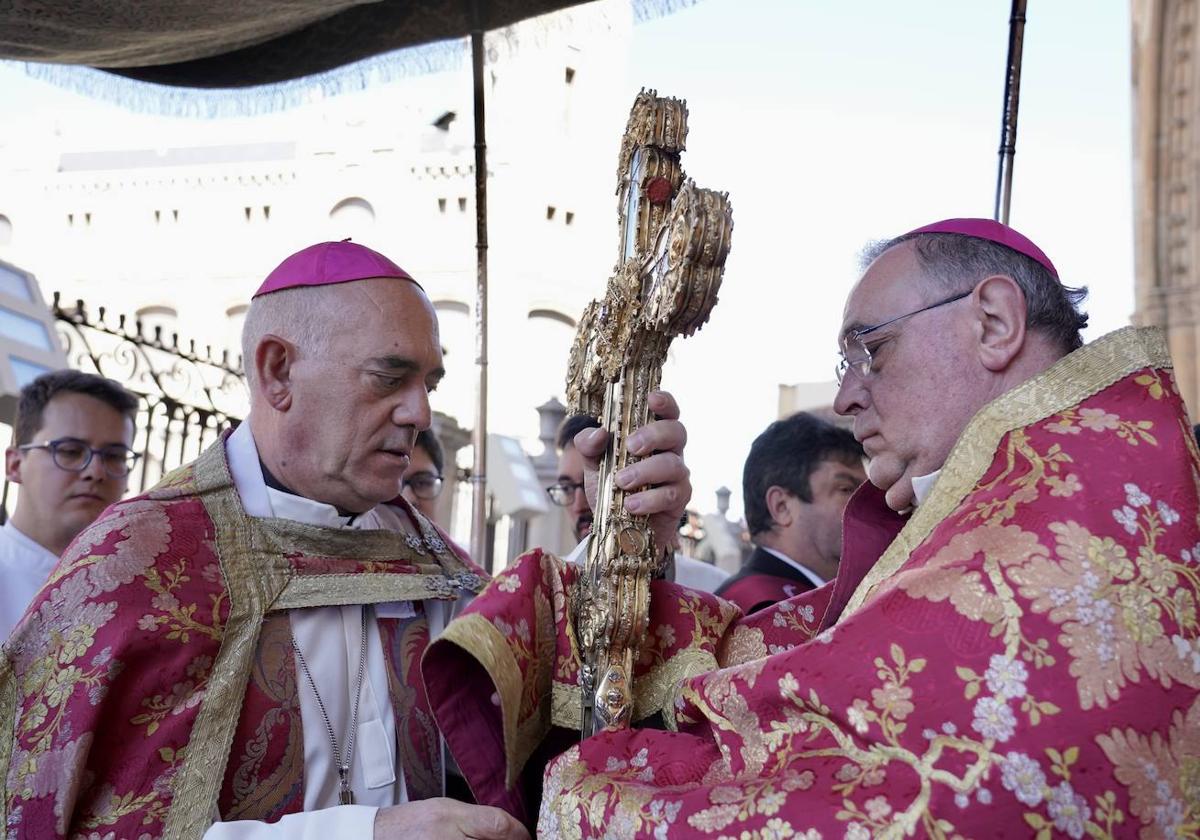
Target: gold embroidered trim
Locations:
point(197, 784)
point(654, 691)
point(1070, 381)
point(478, 637)
point(377, 587)
point(253, 556)
point(8, 717)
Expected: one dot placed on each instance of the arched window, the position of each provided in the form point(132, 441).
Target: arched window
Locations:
point(353, 211)
point(456, 327)
point(158, 316)
point(552, 332)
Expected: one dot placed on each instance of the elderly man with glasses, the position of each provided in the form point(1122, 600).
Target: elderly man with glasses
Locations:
point(71, 458)
point(1011, 644)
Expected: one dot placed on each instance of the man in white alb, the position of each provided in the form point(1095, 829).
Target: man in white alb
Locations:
point(71, 457)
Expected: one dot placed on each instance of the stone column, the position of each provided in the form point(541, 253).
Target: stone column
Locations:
point(1165, 172)
point(552, 530)
point(453, 437)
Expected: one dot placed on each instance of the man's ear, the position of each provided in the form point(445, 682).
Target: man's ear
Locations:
point(273, 360)
point(1000, 310)
point(12, 464)
point(780, 506)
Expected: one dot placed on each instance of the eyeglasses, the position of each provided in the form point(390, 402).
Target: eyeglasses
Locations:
point(857, 356)
point(425, 485)
point(563, 493)
point(74, 456)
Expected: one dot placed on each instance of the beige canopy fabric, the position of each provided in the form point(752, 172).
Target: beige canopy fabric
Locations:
point(238, 43)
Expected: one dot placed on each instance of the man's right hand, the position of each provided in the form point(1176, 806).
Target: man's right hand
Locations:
point(446, 819)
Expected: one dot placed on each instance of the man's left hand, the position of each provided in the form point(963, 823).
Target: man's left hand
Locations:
point(661, 471)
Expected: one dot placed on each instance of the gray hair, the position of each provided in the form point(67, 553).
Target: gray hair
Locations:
point(299, 315)
point(958, 262)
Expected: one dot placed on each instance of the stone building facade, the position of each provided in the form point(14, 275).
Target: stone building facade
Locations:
point(1166, 84)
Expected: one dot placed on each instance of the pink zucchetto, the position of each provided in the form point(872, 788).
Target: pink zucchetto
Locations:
point(993, 232)
point(329, 263)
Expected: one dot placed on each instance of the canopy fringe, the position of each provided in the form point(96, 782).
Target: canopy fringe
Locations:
point(437, 57)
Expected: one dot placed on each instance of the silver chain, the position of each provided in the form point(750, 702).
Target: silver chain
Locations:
point(345, 796)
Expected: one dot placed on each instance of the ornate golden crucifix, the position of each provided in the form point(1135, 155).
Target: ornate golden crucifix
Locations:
point(674, 240)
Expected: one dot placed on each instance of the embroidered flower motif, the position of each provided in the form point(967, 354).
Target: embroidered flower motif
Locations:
point(509, 583)
point(76, 643)
point(1024, 777)
point(147, 622)
point(1098, 420)
point(857, 715)
point(877, 808)
point(893, 698)
point(1063, 427)
point(856, 831)
point(165, 601)
point(1006, 677)
point(666, 635)
point(1166, 513)
point(61, 684)
point(1064, 487)
point(770, 802)
point(994, 719)
point(788, 684)
point(806, 612)
point(1135, 497)
point(200, 666)
point(984, 796)
point(1068, 809)
point(1126, 517)
point(1187, 650)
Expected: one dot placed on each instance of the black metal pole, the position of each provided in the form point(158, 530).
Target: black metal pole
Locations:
point(479, 543)
point(1008, 123)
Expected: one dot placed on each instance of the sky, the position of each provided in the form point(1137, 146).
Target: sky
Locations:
point(831, 124)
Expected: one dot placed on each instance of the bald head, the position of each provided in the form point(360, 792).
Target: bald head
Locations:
point(339, 379)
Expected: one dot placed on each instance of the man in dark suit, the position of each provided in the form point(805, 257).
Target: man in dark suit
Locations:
point(797, 479)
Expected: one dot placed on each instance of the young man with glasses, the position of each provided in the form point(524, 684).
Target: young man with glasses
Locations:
point(567, 492)
point(71, 455)
point(423, 479)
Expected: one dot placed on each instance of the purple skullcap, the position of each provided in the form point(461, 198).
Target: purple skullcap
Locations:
point(993, 232)
point(329, 263)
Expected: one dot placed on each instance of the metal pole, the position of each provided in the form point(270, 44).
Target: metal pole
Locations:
point(1008, 123)
point(479, 546)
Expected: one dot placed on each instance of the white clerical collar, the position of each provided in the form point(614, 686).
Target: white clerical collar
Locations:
point(922, 486)
point(812, 576)
point(46, 558)
point(262, 501)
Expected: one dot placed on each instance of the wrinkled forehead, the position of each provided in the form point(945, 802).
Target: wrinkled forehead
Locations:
point(891, 285)
point(385, 314)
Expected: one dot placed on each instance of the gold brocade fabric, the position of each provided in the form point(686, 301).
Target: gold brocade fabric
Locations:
point(122, 689)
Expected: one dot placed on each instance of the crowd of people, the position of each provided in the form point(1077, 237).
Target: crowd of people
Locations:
point(973, 615)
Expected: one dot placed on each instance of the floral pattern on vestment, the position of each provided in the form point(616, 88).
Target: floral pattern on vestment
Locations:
point(1022, 660)
point(151, 682)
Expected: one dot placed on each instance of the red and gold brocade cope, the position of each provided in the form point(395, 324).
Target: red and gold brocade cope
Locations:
point(151, 683)
point(1023, 658)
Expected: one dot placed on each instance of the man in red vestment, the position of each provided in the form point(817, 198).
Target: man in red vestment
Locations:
point(799, 475)
point(235, 654)
point(1011, 645)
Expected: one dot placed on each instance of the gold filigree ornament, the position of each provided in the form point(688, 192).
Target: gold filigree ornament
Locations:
point(674, 239)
